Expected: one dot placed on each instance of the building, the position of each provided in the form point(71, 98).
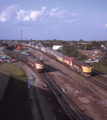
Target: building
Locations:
point(92, 54)
point(57, 46)
point(3, 44)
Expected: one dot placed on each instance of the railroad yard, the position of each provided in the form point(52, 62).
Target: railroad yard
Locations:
point(89, 94)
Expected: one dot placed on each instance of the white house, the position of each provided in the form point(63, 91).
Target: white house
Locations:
point(57, 46)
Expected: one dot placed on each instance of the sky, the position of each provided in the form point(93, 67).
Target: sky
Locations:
point(53, 19)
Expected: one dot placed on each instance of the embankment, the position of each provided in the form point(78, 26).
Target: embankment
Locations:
point(4, 79)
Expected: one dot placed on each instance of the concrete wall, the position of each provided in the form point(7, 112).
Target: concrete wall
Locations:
point(4, 79)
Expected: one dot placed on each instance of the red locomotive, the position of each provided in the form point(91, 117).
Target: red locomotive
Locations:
point(82, 67)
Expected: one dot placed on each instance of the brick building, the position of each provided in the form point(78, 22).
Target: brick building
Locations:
point(92, 54)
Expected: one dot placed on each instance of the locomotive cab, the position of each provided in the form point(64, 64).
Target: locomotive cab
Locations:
point(87, 69)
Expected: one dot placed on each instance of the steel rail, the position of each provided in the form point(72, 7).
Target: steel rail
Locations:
point(58, 98)
point(68, 100)
point(98, 83)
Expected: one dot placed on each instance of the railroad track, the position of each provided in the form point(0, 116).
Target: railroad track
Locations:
point(83, 86)
point(95, 73)
point(70, 108)
point(99, 80)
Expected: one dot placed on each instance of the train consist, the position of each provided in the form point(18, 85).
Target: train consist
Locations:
point(37, 64)
point(75, 64)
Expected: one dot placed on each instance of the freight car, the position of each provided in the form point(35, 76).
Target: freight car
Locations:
point(37, 64)
point(60, 57)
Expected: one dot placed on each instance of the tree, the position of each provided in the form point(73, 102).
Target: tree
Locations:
point(72, 52)
point(96, 45)
point(89, 46)
point(81, 41)
point(103, 60)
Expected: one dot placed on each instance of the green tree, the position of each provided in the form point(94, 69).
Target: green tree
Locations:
point(96, 45)
point(103, 61)
point(72, 52)
point(89, 47)
point(81, 41)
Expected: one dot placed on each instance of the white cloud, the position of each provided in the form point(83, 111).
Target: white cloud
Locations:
point(42, 15)
point(71, 21)
point(27, 15)
point(55, 9)
point(106, 25)
point(7, 13)
point(55, 13)
point(74, 14)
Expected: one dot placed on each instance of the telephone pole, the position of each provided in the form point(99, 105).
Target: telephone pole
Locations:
point(21, 35)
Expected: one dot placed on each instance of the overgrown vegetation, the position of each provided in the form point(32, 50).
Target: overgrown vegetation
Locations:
point(15, 103)
point(101, 66)
point(72, 52)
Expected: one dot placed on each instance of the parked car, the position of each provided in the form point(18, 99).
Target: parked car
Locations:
point(9, 61)
point(1, 60)
point(5, 57)
point(97, 60)
point(13, 60)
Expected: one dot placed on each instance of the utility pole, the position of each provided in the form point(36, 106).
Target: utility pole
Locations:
point(21, 35)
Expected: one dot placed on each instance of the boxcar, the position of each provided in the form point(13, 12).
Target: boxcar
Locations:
point(37, 47)
point(60, 57)
point(22, 57)
point(56, 53)
point(14, 54)
point(52, 52)
point(47, 50)
point(7, 52)
point(43, 49)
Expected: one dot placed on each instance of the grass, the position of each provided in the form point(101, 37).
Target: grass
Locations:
point(15, 71)
point(15, 103)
